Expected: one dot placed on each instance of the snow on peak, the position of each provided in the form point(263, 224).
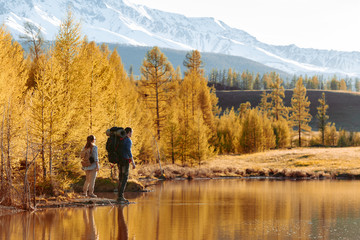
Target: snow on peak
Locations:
point(51, 19)
point(139, 8)
point(120, 21)
point(219, 23)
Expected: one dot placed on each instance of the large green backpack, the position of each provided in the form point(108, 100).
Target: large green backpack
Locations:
point(114, 144)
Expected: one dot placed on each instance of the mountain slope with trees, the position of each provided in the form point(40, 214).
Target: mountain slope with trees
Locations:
point(344, 107)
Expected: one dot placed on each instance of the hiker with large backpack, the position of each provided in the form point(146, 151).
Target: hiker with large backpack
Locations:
point(123, 165)
point(90, 164)
point(118, 147)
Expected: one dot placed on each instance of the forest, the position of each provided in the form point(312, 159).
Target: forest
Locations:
point(231, 80)
point(52, 98)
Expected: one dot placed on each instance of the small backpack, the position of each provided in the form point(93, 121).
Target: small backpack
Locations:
point(85, 157)
point(114, 144)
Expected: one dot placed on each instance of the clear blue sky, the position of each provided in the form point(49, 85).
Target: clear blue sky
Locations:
point(321, 24)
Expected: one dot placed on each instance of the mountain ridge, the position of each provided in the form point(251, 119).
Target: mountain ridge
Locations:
point(122, 22)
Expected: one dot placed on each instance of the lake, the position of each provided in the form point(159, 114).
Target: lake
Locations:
point(206, 209)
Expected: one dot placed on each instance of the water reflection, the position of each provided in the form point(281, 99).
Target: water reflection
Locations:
point(90, 232)
point(207, 209)
point(123, 230)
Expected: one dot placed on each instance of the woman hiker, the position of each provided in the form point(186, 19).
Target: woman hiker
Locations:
point(91, 170)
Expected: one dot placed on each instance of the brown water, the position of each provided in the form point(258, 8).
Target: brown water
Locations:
point(207, 209)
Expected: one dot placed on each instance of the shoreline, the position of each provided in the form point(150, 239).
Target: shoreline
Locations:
point(79, 201)
point(279, 165)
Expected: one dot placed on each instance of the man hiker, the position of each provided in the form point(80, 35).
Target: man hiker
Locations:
point(124, 165)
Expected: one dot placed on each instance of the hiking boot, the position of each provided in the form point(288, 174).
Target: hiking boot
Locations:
point(92, 195)
point(122, 200)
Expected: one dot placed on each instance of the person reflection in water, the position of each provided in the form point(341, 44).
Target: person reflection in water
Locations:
point(123, 230)
point(90, 227)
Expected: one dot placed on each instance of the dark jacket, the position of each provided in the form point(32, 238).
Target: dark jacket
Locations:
point(126, 148)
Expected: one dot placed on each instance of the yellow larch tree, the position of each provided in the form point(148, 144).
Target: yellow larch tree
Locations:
point(66, 50)
point(94, 76)
point(13, 76)
point(343, 86)
point(34, 39)
point(195, 98)
point(251, 139)
point(278, 110)
point(171, 133)
point(200, 133)
point(125, 108)
point(300, 112)
point(228, 132)
point(156, 73)
point(322, 117)
point(46, 112)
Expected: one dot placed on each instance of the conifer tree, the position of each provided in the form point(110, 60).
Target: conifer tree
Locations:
point(281, 133)
point(13, 77)
point(66, 50)
point(300, 115)
point(194, 63)
point(46, 112)
point(257, 83)
point(171, 135)
point(195, 99)
point(322, 116)
point(156, 73)
point(266, 81)
point(200, 94)
point(278, 110)
point(343, 86)
point(315, 82)
point(35, 40)
point(67, 45)
point(122, 106)
point(228, 132)
point(172, 124)
point(334, 84)
point(265, 105)
point(331, 135)
point(357, 85)
point(268, 138)
point(94, 77)
point(252, 132)
point(200, 133)
point(229, 81)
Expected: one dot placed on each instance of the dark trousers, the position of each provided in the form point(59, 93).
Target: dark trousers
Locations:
point(123, 177)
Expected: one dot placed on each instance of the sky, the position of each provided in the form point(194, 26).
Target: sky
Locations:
point(319, 24)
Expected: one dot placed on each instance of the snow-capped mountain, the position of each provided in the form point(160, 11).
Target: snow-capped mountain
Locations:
point(118, 21)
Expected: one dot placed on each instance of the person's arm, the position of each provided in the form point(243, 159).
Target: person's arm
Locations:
point(133, 163)
point(95, 155)
point(129, 153)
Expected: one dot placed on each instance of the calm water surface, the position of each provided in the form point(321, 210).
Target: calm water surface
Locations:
point(207, 209)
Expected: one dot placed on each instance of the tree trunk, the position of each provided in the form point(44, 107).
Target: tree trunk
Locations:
point(299, 134)
point(2, 154)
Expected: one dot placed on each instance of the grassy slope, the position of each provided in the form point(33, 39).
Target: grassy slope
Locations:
point(293, 163)
point(344, 107)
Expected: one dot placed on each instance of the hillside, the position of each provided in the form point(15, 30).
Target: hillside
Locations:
point(133, 56)
point(344, 107)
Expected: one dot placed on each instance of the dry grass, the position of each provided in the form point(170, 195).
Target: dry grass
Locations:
point(292, 163)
